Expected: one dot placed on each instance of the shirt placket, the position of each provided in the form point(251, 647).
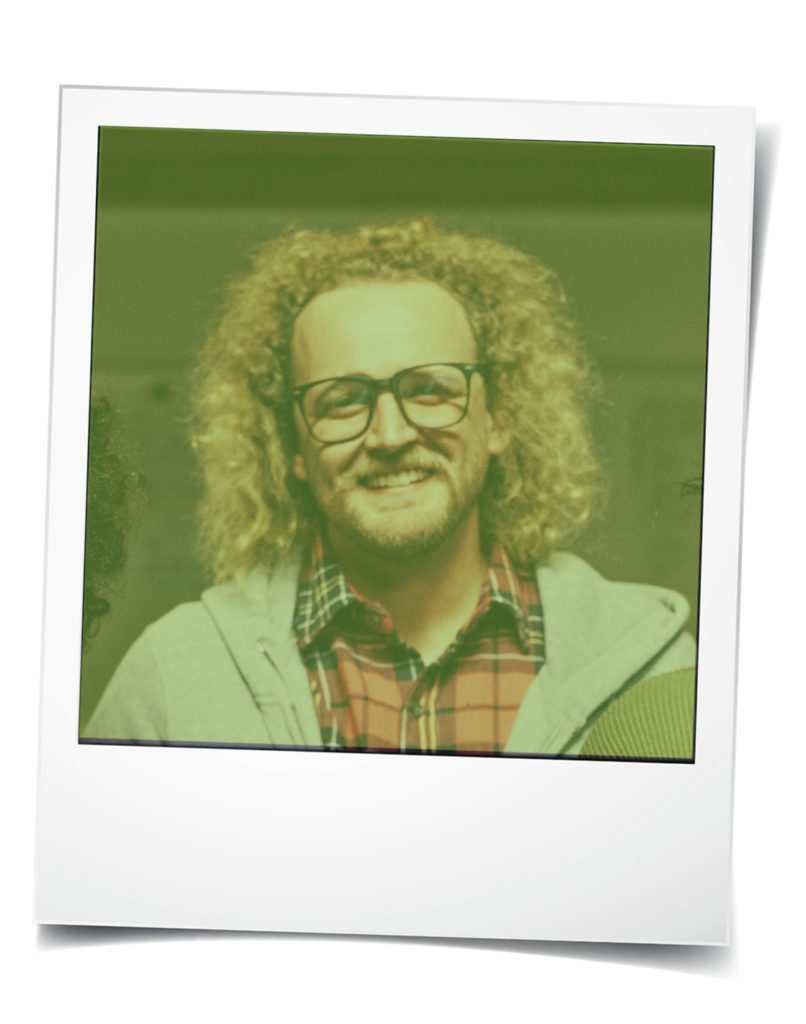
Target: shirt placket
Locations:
point(418, 694)
point(421, 708)
point(407, 660)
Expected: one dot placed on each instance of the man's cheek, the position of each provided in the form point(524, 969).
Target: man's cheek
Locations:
point(329, 479)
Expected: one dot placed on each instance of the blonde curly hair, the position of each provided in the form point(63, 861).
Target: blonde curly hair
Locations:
point(539, 492)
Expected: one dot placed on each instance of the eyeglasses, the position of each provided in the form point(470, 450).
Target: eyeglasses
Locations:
point(430, 397)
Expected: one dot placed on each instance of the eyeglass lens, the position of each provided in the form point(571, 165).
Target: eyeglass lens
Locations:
point(431, 397)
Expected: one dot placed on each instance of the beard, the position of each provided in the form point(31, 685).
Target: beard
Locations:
point(368, 504)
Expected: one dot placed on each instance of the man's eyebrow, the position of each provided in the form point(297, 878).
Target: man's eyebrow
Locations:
point(345, 376)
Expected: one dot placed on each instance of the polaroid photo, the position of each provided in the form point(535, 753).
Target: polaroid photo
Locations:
point(394, 516)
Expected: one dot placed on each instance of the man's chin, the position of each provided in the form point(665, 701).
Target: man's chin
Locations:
point(403, 540)
point(399, 547)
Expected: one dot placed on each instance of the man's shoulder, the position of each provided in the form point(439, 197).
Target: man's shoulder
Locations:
point(186, 630)
point(252, 603)
point(180, 617)
point(588, 617)
point(601, 636)
point(572, 584)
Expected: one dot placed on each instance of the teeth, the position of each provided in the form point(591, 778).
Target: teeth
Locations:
point(376, 483)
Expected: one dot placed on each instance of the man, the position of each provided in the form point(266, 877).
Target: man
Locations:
point(392, 429)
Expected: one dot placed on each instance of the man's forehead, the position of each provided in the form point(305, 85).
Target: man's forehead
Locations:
point(379, 326)
point(386, 302)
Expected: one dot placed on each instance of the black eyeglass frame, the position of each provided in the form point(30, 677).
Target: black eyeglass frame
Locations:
point(378, 386)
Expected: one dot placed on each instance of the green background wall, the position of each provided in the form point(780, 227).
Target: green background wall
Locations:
point(626, 227)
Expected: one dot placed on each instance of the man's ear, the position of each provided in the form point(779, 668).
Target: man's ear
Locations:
point(299, 468)
point(498, 437)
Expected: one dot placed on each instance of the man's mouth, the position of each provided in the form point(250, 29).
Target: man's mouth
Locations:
point(383, 481)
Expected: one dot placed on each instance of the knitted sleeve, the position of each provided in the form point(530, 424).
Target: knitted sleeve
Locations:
point(653, 719)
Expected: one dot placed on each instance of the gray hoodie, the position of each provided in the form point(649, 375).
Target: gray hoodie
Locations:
point(226, 670)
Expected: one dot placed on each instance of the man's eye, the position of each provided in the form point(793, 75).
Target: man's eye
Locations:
point(340, 400)
point(430, 394)
point(431, 390)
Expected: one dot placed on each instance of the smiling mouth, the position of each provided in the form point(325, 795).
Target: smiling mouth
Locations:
point(385, 481)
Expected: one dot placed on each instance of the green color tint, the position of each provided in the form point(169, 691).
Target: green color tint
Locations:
point(201, 168)
point(626, 227)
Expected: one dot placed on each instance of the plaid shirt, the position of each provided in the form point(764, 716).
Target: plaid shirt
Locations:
point(371, 691)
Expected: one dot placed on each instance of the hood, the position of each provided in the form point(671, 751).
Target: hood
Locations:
point(600, 637)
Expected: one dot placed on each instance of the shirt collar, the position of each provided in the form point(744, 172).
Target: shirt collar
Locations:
point(323, 592)
point(504, 586)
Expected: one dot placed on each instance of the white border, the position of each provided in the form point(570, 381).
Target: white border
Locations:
point(322, 843)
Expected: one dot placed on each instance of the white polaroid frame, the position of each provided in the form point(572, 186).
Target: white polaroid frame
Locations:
point(522, 848)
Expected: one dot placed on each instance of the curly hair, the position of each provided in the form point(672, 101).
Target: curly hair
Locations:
point(539, 492)
point(113, 489)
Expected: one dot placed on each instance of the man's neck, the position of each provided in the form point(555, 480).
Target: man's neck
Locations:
point(429, 597)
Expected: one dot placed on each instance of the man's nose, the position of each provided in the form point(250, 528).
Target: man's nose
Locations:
point(388, 428)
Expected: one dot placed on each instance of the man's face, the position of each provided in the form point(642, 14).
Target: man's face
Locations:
point(396, 490)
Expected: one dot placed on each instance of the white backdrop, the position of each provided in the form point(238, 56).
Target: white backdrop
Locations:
point(617, 52)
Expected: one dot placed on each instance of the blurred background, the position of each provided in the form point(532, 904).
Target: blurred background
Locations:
point(626, 227)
